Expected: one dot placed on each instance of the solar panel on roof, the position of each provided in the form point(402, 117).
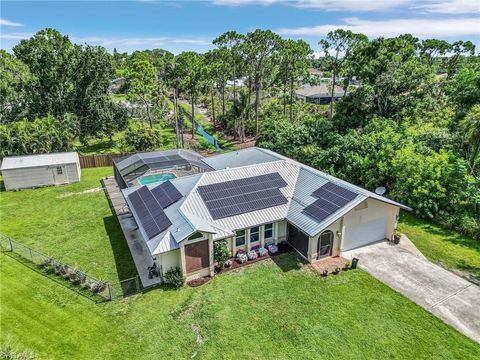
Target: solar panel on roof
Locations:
point(331, 198)
point(149, 212)
point(166, 194)
point(239, 196)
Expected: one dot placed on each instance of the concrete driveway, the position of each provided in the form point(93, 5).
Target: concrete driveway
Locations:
point(444, 294)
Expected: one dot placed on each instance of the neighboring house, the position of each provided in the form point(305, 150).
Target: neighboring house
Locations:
point(20, 172)
point(319, 94)
point(117, 84)
point(253, 197)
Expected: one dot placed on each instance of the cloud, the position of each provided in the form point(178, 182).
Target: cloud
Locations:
point(431, 6)
point(392, 27)
point(5, 22)
point(15, 36)
point(329, 5)
point(451, 7)
point(139, 41)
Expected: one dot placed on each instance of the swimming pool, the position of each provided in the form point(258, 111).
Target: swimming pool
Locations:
point(156, 178)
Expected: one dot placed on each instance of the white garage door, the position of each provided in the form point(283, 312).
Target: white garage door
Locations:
point(360, 235)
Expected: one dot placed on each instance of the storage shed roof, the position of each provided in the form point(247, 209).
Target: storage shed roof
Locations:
point(30, 161)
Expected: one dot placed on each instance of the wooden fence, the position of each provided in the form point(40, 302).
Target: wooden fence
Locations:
point(91, 161)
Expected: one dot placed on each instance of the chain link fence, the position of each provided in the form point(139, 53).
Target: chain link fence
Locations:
point(71, 276)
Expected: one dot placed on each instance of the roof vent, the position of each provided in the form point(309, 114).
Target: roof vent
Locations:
point(380, 190)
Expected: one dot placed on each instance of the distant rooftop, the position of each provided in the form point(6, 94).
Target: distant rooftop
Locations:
point(319, 91)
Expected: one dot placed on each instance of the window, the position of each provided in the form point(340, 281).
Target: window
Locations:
point(254, 234)
point(59, 170)
point(268, 232)
point(240, 238)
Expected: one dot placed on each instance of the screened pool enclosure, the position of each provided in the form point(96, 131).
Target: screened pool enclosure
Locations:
point(130, 170)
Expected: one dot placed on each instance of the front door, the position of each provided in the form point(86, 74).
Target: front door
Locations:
point(325, 244)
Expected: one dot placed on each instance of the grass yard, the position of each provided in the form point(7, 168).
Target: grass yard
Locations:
point(69, 224)
point(452, 250)
point(264, 311)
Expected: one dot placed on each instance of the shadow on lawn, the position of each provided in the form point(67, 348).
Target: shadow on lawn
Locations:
point(286, 261)
point(123, 258)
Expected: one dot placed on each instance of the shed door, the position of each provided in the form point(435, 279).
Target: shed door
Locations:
point(363, 234)
point(196, 256)
point(60, 174)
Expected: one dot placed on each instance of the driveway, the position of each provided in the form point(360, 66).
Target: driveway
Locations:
point(444, 294)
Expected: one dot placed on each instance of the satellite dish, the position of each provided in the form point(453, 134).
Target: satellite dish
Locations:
point(380, 190)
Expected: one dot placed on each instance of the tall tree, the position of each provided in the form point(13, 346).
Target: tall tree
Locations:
point(191, 68)
point(432, 48)
point(51, 57)
point(140, 75)
point(335, 48)
point(91, 101)
point(15, 77)
point(459, 48)
point(294, 60)
point(471, 130)
point(261, 49)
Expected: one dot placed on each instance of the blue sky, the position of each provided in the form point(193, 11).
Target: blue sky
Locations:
point(191, 25)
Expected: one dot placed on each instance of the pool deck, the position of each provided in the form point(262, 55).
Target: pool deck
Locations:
point(138, 248)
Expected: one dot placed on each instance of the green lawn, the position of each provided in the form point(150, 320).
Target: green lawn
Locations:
point(448, 248)
point(265, 311)
point(79, 229)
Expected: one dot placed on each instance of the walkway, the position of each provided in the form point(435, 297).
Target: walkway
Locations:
point(444, 294)
point(138, 248)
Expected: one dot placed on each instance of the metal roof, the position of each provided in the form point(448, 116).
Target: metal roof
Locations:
point(28, 161)
point(319, 91)
point(249, 156)
point(190, 214)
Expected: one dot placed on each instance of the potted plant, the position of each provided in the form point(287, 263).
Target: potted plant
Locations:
point(337, 270)
point(228, 263)
point(262, 251)
point(252, 255)
point(396, 238)
point(325, 273)
point(346, 267)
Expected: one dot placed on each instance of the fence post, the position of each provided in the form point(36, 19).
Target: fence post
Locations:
point(137, 283)
point(110, 291)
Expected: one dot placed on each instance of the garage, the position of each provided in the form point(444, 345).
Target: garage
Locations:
point(366, 233)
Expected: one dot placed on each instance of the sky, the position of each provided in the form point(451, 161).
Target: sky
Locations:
point(191, 25)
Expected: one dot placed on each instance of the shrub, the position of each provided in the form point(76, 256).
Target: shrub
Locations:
point(220, 252)
point(141, 137)
point(174, 277)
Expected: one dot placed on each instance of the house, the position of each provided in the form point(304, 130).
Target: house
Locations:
point(319, 94)
point(20, 172)
point(252, 197)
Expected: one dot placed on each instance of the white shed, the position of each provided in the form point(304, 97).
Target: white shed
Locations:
point(21, 172)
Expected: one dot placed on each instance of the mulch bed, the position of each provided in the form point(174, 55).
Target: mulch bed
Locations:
point(199, 281)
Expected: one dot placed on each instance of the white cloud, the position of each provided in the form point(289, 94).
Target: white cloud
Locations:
point(329, 5)
point(450, 6)
point(431, 6)
point(139, 41)
point(5, 22)
point(15, 36)
point(393, 27)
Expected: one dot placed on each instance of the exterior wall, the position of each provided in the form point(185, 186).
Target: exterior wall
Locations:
point(336, 228)
point(169, 260)
point(23, 178)
point(279, 235)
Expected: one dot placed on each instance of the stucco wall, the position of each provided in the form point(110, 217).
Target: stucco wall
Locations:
point(169, 259)
point(367, 211)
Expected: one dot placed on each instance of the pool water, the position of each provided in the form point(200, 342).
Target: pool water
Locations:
point(156, 178)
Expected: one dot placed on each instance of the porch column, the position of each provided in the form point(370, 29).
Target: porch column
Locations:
point(247, 240)
point(342, 233)
point(182, 259)
point(262, 235)
point(210, 255)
